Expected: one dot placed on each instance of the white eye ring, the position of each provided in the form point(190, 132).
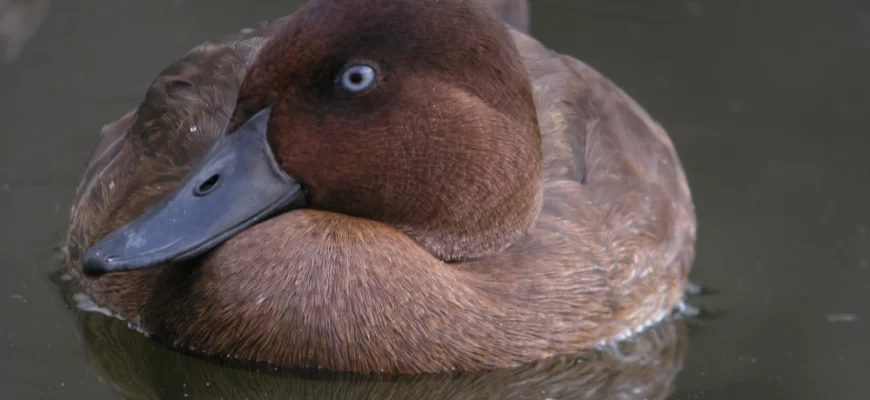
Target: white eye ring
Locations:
point(357, 78)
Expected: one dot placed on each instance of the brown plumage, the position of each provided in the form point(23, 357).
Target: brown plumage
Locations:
point(489, 203)
point(644, 367)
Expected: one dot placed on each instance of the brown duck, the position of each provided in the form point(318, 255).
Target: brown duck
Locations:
point(395, 186)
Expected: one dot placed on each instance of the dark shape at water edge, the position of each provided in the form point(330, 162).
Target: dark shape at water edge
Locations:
point(136, 367)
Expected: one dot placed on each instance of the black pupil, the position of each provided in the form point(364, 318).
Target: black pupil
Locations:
point(356, 78)
point(209, 183)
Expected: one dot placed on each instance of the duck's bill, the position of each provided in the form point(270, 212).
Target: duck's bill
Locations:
point(237, 184)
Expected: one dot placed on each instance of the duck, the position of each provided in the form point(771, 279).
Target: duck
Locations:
point(384, 187)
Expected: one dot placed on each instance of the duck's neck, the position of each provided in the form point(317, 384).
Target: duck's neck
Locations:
point(482, 228)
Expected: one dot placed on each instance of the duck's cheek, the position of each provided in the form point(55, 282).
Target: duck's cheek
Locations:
point(237, 185)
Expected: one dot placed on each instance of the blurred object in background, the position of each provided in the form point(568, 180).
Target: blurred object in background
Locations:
point(514, 12)
point(19, 20)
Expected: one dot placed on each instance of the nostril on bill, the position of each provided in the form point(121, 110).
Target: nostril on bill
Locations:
point(207, 186)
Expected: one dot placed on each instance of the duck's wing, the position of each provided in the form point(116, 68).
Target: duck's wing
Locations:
point(595, 135)
point(142, 156)
point(616, 198)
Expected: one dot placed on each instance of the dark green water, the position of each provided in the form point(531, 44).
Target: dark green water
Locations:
point(768, 103)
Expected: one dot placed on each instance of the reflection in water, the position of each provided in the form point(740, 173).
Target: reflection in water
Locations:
point(19, 20)
point(139, 368)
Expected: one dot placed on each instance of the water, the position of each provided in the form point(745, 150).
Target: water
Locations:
point(766, 102)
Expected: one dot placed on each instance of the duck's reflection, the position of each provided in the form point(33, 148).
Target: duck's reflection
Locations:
point(19, 20)
point(139, 368)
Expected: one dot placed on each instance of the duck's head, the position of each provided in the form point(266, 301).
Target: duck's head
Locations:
point(418, 114)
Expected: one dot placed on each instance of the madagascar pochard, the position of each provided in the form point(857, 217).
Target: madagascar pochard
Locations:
point(395, 186)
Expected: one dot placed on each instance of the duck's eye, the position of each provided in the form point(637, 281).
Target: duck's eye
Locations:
point(357, 78)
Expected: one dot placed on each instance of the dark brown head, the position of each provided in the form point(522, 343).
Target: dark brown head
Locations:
point(415, 113)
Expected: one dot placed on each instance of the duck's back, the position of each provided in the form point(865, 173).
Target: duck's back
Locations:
point(617, 208)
